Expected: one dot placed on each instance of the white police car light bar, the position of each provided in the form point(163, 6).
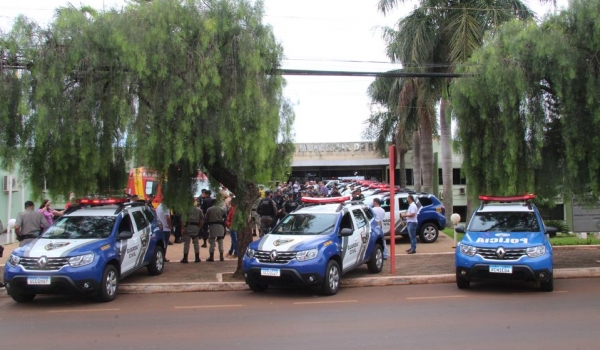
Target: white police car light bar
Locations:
point(325, 200)
point(507, 198)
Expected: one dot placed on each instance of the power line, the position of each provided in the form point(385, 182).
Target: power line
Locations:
point(396, 74)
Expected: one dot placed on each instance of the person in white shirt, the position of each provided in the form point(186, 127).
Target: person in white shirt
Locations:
point(164, 215)
point(379, 216)
point(411, 223)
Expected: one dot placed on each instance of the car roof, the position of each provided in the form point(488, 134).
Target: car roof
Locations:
point(502, 207)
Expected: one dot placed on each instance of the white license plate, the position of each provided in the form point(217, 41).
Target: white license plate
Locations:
point(39, 280)
point(500, 269)
point(270, 272)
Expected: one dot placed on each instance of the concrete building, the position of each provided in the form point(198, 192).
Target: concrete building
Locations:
point(344, 159)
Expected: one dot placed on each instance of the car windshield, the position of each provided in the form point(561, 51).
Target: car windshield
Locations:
point(81, 227)
point(505, 222)
point(306, 224)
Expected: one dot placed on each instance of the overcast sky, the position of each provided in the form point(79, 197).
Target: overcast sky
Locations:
point(315, 34)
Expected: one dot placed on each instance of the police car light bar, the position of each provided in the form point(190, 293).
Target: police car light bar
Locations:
point(325, 200)
point(98, 201)
point(507, 198)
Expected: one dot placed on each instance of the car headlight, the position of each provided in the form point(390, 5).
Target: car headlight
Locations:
point(81, 260)
point(250, 252)
point(13, 260)
point(468, 250)
point(307, 254)
point(534, 252)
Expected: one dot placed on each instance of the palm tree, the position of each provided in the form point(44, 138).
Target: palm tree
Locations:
point(397, 119)
point(435, 38)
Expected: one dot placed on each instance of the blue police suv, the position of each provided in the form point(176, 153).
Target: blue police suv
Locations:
point(314, 245)
point(87, 251)
point(505, 240)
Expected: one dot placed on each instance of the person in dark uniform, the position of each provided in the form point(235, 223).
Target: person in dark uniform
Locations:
point(335, 192)
point(205, 202)
point(279, 201)
point(267, 209)
point(357, 195)
point(290, 204)
point(195, 221)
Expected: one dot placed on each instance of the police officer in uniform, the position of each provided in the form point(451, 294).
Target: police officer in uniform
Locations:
point(29, 224)
point(290, 204)
point(267, 209)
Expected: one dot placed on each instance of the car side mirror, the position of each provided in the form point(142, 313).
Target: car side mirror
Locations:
point(459, 229)
point(551, 230)
point(125, 234)
point(345, 232)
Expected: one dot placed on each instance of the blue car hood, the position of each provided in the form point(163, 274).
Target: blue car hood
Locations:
point(55, 248)
point(493, 239)
point(289, 243)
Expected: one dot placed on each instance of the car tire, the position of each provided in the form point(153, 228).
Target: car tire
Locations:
point(331, 284)
point(22, 297)
point(157, 263)
point(109, 285)
point(375, 264)
point(462, 283)
point(258, 287)
point(429, 233)
point(547, 286)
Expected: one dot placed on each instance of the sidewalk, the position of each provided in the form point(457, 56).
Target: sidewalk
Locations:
point(433, 263)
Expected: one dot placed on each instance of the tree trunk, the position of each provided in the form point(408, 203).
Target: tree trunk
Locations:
point(417, 160)
point(446, 149)
point(426, 151)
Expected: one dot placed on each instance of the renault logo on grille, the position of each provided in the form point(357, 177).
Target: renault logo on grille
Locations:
point(500, 252)
point(42, 261)
point(273, 255)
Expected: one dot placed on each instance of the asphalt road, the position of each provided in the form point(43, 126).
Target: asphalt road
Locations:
point(399, 317)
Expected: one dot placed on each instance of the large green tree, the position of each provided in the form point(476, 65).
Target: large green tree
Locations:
point(173, 85)
point(434, 38)
point(530, 116)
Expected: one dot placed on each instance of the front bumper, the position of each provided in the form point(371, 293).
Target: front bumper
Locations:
point(289, 277)
point(481, 273)
point(59, 285)
point(66, 280)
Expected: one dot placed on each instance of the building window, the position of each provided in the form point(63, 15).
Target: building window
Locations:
point(457, 177)
point(410, 181)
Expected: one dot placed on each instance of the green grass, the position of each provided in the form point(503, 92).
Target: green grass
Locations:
point(560, 239)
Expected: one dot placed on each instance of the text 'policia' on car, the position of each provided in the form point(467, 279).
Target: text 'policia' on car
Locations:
point(314, 245)
point(506, 240)
point(88, 250)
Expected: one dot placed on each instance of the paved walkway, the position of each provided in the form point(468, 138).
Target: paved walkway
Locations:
point(433, 263)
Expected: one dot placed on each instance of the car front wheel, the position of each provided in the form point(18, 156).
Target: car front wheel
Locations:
point(157, 264)
point(331, 284)
point(429, 233)
point(109, 285)
point(375, 264)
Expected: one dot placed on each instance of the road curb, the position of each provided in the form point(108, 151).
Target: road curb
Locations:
point(589, 272)
point(147, 288)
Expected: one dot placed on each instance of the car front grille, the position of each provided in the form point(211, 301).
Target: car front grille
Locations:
point(510, 253)
point(264, 256)
point(51, 264)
